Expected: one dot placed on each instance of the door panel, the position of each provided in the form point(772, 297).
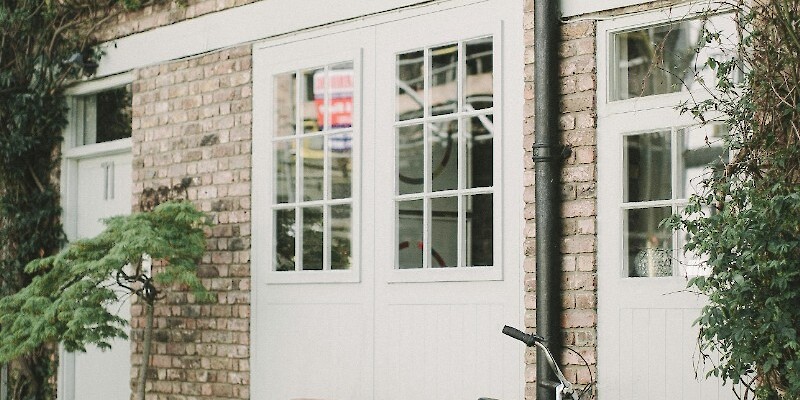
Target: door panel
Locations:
point(439, 327)
point(647, 345)
point(102, 190)
point(312, 330)
point(381, 333)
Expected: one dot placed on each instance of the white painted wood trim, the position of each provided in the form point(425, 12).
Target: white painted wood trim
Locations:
point(263, 97)
point(252, 22)
point(571, 8)
point(100, 84)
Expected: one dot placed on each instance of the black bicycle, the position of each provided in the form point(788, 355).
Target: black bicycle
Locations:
point(564, 390)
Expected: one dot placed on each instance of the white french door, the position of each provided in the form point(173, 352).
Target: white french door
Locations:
point(98, 185)
point(650, 160)
point(431, 136)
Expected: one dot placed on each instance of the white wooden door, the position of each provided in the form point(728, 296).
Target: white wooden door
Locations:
point(439, 311)
point(313, 317)
point(383, 328)
point(650, 160)
point(100, 188)
point(647, 343)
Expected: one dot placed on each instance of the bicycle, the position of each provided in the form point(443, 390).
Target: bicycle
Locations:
point(564, 389)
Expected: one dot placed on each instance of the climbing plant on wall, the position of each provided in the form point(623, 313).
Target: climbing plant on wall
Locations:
point(43, 45)
point(745, 223)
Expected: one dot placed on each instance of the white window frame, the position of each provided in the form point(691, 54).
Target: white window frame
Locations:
point(493, 272)
point(638, 115)
point(263, 179)
point(73, 150)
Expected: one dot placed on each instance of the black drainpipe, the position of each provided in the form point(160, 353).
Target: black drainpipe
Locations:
point(547, 156)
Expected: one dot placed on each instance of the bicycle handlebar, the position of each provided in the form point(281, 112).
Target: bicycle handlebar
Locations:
point(529, 340)
point(532, 340)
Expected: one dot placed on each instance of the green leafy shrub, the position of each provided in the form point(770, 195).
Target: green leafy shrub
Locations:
point(69, 301)
point(745, 222)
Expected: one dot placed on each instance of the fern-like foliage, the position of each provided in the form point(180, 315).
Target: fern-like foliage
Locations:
point(72, 298)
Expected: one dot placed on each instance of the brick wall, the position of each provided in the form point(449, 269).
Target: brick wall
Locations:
point(578, 247)
point(192, 118)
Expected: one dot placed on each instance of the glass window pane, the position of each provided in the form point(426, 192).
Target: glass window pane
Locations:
point(313, 95)
point(341, 237)
point(702, 151)
point(284, 171)
point(340, 156)
point(285, 233)
point(340, 111)
point(313, 245)
point(647, 158)
point(113, 114)
point(313, 167)
point(479, 153)
point(444, 79)
point(410, 85)
point(443, 139)
point(478, 87)
point(410, 215)
point(444, 232)
point(410, 159)
point(479, 230)
point(649, 246)
point(285, 104)
point(657, 59)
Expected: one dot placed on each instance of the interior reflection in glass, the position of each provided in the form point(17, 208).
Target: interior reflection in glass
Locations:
point(410, 85)
point(409, 234)
point(444, 232)
point(649, 166)
point(649, 244)
point(479, 230)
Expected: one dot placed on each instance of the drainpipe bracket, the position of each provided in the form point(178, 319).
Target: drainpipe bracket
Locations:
point(543, 152)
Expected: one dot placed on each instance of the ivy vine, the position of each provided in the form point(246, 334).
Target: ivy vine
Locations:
point(44, 44)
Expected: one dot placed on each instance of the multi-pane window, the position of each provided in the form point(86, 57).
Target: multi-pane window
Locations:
point(663, 168)
point(663, 165)
point(666, 58)
point(312, 169)
point(102, 117)
point(444, 137)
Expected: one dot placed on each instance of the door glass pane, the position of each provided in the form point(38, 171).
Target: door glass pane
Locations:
point(284, 171)
point(479, 230)
point(443, 139)
point(285, 233)
point(657, 59)
point(285, 104)
point(649, 246)
point(340, 80)
point(312, 238)
point(341, 237)
point(702, 152)
point(478, 87)
point(444, 232)
point(313, 164)
point(444, 79)
point(410, 216)
point(340, 156)
point(113, 114)
point(410, 159)
point(410, 85)
point(479, 153)
point(313, 95)
point(649, 174)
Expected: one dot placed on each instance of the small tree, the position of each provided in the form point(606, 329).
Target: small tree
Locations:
point(746, 221)
point(69, 299)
